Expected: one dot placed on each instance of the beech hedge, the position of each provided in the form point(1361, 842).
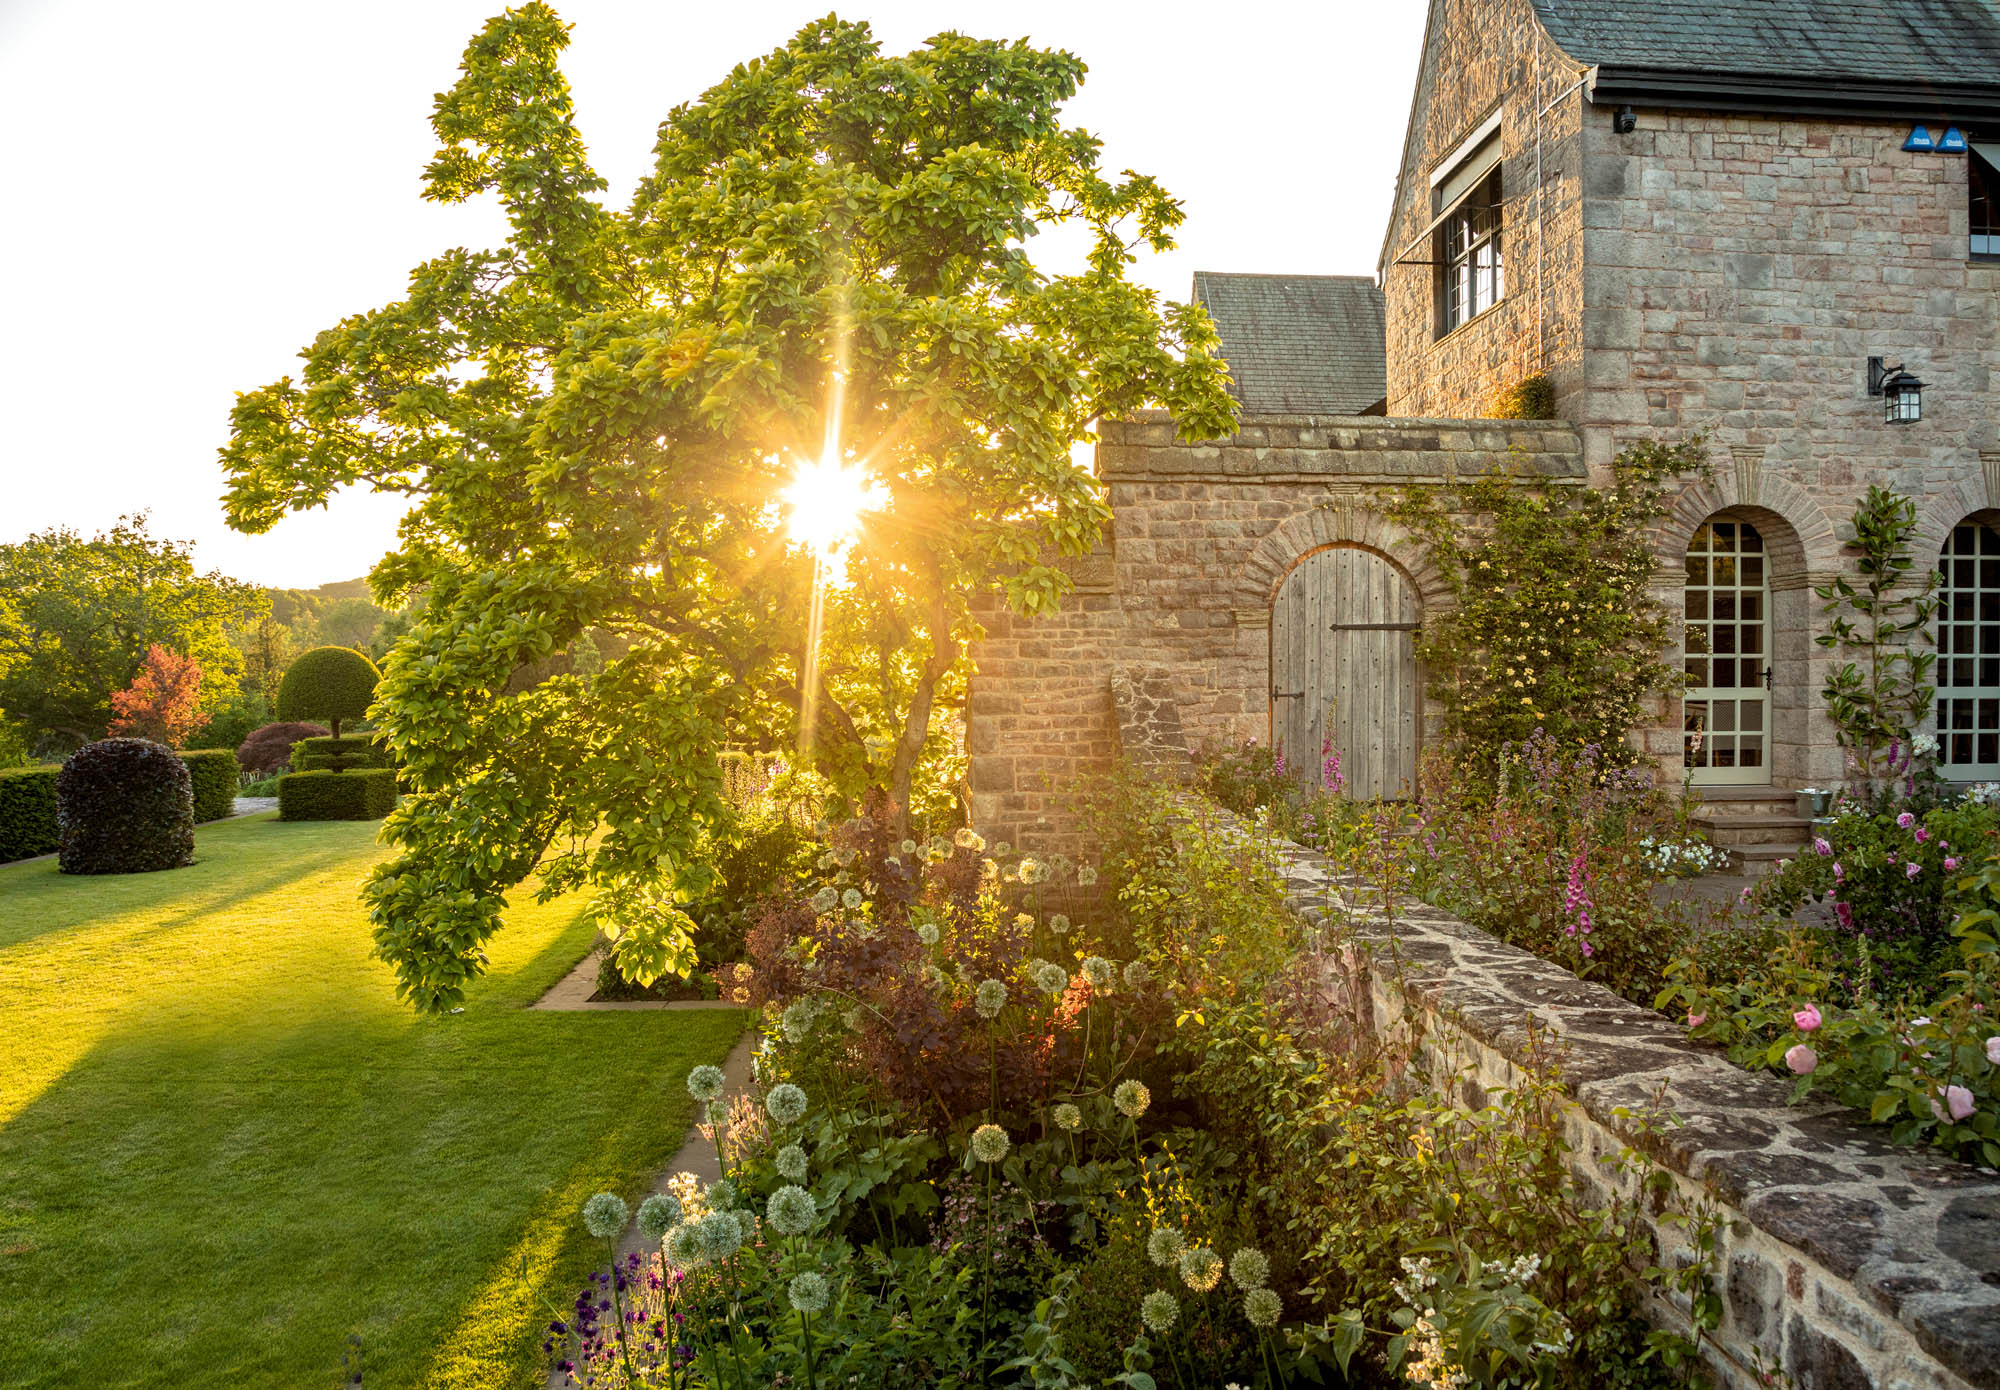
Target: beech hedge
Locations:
point(213, 771)
point(27, 812)
point(365, 794)
point(124, 806)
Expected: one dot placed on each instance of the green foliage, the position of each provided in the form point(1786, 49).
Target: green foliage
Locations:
point(27, 812)
point(1876, 704)
point(1533, 397)
point(124, 806)
point(365, 794)
point(330, 683)
point(77, 617)
point(338, 754)
point(212, 778)
point(827, 261)
point(232, 721)
point(1551, 624)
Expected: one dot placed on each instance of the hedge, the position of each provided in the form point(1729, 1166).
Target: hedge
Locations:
point(214, 774)
point(368, 794)
point(28, 812)
point(337, 754)
point(124, 806)
point(330, 683)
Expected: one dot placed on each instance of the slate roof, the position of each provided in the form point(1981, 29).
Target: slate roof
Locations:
point(1930, 42)
point(1299, 344)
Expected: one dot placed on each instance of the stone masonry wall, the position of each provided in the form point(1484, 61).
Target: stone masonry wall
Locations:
point(1481, 55)
point(1178, 599)
point(1844, 1260)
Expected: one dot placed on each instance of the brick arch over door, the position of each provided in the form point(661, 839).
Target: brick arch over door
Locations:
point(1340, 522)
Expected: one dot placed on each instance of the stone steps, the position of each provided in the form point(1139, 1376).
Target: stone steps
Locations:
point(1757, 826)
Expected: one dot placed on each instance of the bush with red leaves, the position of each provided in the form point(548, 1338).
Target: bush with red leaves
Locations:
point(270, 748)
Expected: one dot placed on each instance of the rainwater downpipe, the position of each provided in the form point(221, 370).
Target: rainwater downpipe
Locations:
point(1541, 210)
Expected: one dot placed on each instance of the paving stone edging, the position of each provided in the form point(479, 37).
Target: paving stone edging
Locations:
point(1845, 1259)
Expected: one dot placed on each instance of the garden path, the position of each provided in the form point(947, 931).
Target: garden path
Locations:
point(1716, 891)
point(571, 994)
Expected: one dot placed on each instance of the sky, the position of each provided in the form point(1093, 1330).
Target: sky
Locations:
point(195, 190)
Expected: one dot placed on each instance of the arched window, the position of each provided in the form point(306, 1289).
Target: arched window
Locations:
point(1968, 666)
point(1727, 604)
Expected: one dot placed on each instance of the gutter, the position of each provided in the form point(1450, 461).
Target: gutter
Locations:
point(1855, 98)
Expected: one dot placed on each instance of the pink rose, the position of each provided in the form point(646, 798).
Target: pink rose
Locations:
point(1906, 820)
point(1838, 872)
point(1696, 1020)
point(1957, 1100)
point(1822, 846)
point(1922, 834)
point(1801, 1059)
point(1992, 1048)
point(1949, 863)
point(1807, 1019)
point(1912, 870)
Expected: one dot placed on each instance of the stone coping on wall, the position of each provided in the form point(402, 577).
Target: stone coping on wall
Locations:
point(1357, 448)
point(1848, 1260)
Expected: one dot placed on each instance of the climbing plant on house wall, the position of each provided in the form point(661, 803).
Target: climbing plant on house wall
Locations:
point(598, 423)
point(1551, 625)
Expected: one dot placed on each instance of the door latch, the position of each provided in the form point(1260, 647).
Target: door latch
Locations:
point(1277, 694)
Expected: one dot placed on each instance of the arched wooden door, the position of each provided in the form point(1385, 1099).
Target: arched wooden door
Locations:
point(1343, 661)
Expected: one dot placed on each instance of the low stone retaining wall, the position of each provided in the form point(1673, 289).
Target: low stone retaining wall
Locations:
point(1844, 1260)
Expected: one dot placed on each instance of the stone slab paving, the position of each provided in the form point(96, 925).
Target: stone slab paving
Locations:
point(571, 994)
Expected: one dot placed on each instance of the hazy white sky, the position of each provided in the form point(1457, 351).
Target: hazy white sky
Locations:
point(194, 190)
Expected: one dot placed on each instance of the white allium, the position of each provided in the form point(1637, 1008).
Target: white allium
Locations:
point(1249, 1268)
point(990, 998)
point(808, 1292)
point(1067, 1116)
point(908, 847)
point(1085, 876)
point(705, 1083)
point(927, 932)
point(1132, 1098)
point(1164, 1246)
point(1059, 923)
point(786, 1104)
point(1137, 974)
point(720, 1235)
point(1159, 1310)
point(1263, 1307)
point(604, 1215)
point(797, 1021)
point(826, 900)
point(659, 1214)
point(1201, 1268)
point(791, 1163)
point(720, 1196)
point(683, 1249)
point(932, 977)
point(791, 1211)
point(851, 899)
point(1101, 973)
point(1051, 978)
point(990, 1143)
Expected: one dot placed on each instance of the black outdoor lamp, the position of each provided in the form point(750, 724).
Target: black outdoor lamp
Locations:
point(1902, 394)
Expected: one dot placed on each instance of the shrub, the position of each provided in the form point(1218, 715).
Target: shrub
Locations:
point(27, 812)
point(124, 806)
point(368, 794)
point(337, 754)
point(232, 722)
point(213, 771)
point(163, 703)
point(1530, 398)
point(270, 748)
point(330, 683)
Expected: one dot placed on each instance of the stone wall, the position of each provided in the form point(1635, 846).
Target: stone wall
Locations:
point(1178, 599)
point(1479, 56)
point(1845, 1260)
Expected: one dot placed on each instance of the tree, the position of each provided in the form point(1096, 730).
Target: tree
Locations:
point(598, 423)
point(330, 683)
point(163, 703)
point(77, 617)
point(348, 622)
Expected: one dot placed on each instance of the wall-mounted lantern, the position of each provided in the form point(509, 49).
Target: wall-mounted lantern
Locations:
point(1902, 394)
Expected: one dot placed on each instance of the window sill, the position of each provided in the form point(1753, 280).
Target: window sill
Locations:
point(1457, 329)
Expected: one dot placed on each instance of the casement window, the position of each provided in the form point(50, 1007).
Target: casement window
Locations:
point(1982, 178)
point(1466, 198)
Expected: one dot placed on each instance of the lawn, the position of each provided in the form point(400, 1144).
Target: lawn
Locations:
point(226, 1149)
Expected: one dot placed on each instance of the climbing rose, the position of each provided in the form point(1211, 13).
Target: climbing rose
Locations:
point(1957, 1100)
point(1950, 864)
point(1906, 820)
point(1993, 1051)
point(1822, 846)
point(1696, 1020)
point(1801, 1059)
point(1912, 870)
point(1807, 1019)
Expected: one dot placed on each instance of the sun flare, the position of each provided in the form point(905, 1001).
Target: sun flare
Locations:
point(826, 500)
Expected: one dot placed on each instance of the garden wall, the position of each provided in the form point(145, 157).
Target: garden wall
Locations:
point(1843, 1259)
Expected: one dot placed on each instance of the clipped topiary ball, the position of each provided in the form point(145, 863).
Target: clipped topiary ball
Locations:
point(329, 683)
point(124, 806)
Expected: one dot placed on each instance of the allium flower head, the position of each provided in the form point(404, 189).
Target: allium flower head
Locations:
point(826, 900)
point(932, 977)
point(746, 1225)
point(604, 1215)
point(1132, 1098)
point(1085, 876)
point(720, 1235)
point(659, 1214)
point(791, 1163)
point(1101, 973)
point(851, 899)
point(791, 1211)
point(1249, 1269)
point(808, 1292)
point(927, 932)
point(1029, 867)
point(1201, 1268)
point(1138, 974)
point(786, 1104)
point(1002, 850)
point(797, 1020)
point(1051, 978)
point(990, 998)
point(908, 846)
point(1159, 1310)
point(705, 1083)
point(1164, 1246)
point(1263, 1307)
point(990, 1143)
point(1059, 923)
point(683, 1248)
point(720, 1196)
point(964, 837)
point(1068, 1117)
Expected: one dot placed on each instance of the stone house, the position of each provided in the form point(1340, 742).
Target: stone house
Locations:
point(1764, 220)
